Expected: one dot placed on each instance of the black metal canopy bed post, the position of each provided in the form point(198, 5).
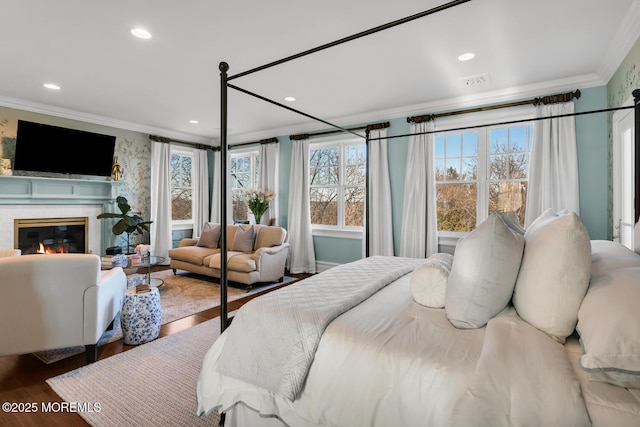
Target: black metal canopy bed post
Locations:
point(636, 202)
point(367, 193)
point(224, 146)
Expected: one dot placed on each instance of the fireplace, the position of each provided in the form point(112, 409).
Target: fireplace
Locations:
point(51, 235)
point(39, 197)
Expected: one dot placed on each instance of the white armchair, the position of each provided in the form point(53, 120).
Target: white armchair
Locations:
point(57, 301)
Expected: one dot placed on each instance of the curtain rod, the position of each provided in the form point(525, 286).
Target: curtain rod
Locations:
point(549, 99)
point(261, 142)
point(157, 138)
point(368, 128)
point(510, 122)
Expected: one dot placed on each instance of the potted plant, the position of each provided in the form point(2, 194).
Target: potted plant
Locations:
point(129, 222)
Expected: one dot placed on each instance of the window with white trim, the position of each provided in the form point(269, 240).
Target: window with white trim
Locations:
point(181, 169)
point(245, 168)
point(337, 172)
point(479, 172)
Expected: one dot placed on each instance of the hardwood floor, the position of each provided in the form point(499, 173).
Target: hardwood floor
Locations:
point(22, 378)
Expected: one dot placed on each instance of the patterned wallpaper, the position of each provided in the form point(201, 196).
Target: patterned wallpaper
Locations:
point(626, 79)
point(132, 148)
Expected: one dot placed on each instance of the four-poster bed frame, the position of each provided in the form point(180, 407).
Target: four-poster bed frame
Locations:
point(247, 321)
point(224, 85)
point(224, 146)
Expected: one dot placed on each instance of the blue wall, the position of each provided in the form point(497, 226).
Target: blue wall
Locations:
point(593, 172)
point(591, 133)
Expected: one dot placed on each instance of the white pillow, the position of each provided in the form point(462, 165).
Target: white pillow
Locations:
point(608, 255)
point(483, 274)
point(554, 275)
point(511, 220)
point(429, 280)
point(609, 327)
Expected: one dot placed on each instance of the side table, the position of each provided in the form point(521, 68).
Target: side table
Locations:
point(141, 316)
point(131, 270)
point(148, 262)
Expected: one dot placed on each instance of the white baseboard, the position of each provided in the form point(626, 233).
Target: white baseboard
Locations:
point(324, 266)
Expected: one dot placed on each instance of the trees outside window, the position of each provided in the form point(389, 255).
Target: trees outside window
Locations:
point(480, 172)
point(245, 167)
point(181, 169)
point(509, 153)
point(337, 173)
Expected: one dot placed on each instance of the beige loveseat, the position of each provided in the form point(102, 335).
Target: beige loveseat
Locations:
point(262, 260)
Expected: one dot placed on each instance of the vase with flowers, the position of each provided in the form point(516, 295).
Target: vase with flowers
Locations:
point(258, 202)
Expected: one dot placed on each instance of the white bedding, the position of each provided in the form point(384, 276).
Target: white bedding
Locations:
point(390, 361)
point(608, 405)
point(273, 339)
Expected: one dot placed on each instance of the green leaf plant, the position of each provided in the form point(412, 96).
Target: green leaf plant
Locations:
point(129, 222)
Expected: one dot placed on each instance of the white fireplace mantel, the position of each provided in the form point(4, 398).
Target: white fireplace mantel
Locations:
point(30, 193)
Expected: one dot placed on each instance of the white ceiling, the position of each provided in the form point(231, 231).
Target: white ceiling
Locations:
point(528, 48)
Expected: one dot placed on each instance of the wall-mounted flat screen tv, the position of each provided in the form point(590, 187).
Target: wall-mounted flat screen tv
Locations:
point(46, 148)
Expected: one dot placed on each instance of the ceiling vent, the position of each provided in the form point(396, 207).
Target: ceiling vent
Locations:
point(476, 80)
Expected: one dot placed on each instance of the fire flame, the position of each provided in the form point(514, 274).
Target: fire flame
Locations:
point(42, 249)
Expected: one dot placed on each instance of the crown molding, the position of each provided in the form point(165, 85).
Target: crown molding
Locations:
point(50, 110)
point(485, 98)
point(626, 36)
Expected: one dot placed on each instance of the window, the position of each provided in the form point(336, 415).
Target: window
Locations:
point(480, 172)
point(181, 186)
point(245, 167)
point(337, 184)
point(456, 157)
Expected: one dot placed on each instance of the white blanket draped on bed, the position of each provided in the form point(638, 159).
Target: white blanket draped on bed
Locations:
point(273, 339)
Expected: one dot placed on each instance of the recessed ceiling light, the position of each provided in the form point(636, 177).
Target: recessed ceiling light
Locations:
point(289, 98)
point(141, 33)
point(466, 56)
point(194, 122)
point(51, 86)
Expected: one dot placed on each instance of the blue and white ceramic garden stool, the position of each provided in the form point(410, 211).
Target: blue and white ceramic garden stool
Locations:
point(141, 316)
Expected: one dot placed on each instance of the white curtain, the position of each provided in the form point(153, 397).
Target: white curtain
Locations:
point(380, 218)
point(200, 190)
point(553, 167)
point(419, 238)
point(301, 255)
point(216, 193)
point(160, 229)
point(268, 177)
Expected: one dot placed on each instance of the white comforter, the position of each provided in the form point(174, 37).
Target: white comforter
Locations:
point(273, 339)
point(390, 361)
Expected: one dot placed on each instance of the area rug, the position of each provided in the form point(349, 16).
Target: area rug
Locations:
point(181, 295)
point(150, 385)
